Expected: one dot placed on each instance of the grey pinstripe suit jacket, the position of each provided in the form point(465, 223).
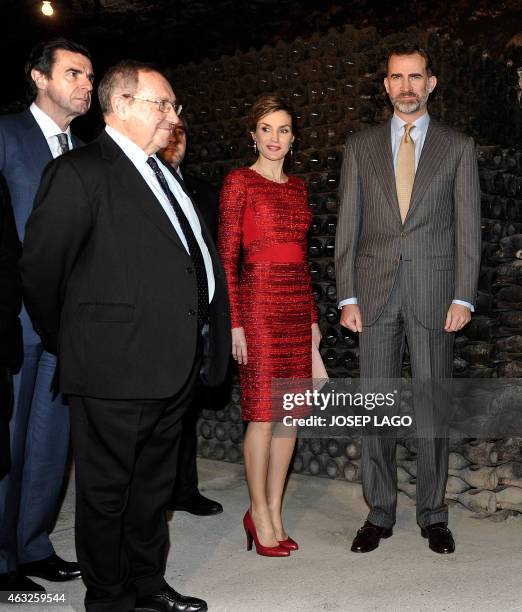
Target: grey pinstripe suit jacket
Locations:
point(440, 240)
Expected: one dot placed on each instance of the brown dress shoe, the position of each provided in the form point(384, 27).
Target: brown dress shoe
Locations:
point(368, 537)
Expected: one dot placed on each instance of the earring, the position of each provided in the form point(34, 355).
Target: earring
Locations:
point(255, 146)
point(291, 149)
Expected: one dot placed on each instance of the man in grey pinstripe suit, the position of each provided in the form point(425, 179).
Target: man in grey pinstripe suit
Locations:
point(407, 271)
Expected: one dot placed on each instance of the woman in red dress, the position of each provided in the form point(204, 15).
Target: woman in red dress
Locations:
point(264, 217)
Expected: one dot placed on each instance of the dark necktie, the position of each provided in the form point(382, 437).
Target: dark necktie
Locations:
point(195, 251)
point(64, 142)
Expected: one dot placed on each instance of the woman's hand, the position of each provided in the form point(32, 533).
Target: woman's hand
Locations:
point(316, 334)
point(239, 345)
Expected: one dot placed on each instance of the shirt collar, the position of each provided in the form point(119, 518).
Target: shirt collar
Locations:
point(421, 123)
point(130, 148)
point(48, 126)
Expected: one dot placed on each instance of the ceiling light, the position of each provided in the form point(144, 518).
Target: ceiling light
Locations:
point(47, 8)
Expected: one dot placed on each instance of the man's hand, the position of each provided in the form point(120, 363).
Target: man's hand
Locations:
point(239, 345)
point(458, 316)
point(351, 317)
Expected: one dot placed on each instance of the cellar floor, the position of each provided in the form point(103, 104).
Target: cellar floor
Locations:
point(208, 556)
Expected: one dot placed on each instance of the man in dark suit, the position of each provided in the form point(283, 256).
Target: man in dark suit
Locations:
point(407, 263)
point(59, 75)
point(186, 496)
point(121, 277)
point(11, 348)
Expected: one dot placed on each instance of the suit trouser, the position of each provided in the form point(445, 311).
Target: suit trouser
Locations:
point(431, 354)
point(187, 475)
point(186, 482)
point(125, 460)
point(6, 402)
point(29, 494)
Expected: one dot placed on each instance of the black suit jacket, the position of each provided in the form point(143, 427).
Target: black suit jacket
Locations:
point(206, 197)
point(109, 284)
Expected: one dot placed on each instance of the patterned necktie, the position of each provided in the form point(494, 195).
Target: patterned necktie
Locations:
point(64, 142)
point(195, 251)
point(405, 174)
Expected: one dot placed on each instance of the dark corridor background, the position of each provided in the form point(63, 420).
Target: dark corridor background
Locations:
point(326, 57)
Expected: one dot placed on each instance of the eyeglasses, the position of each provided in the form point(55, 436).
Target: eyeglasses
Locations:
point(165, 106)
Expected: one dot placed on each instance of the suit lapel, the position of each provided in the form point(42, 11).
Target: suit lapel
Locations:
point(137, 190)
point(382, 159)
point(431, 157)
point(35, 144)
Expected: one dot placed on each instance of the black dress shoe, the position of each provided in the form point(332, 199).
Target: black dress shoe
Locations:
point(14, 582)
point(439, 537)
point(169, 600)
point(199, 505)
point(51, 568)
point(368, 537)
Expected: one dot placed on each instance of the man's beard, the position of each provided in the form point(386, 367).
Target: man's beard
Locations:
point(410, 107)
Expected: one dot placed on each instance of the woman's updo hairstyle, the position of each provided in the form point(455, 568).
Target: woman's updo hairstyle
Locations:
point(266, 104)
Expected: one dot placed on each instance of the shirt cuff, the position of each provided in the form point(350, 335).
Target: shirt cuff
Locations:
point(342, 303)
point(463, 303)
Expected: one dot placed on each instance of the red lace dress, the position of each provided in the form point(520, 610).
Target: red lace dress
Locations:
point(266, 224)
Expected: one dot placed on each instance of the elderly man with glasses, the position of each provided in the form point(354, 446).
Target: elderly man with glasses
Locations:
point(123, 278)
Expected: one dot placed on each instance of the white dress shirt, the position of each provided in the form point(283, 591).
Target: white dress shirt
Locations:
point(418, 135)
point(138, 157)
point(50, 130)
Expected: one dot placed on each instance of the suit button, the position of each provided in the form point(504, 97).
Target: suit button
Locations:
point(190, 270)
point(403, 234)
point(192, 312)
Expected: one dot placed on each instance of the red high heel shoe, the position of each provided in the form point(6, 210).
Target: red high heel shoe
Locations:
point(289, 544)
point(266, 551)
